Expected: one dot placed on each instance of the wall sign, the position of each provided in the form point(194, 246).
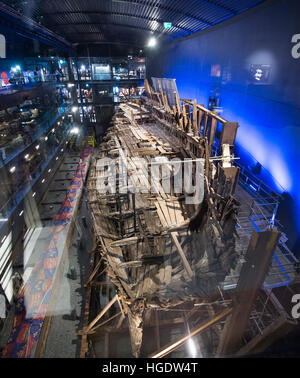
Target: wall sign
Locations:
point(2, 47)
point(296, 47)
point(260, 73)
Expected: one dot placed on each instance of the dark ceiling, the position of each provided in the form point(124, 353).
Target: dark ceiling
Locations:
point(128, 21)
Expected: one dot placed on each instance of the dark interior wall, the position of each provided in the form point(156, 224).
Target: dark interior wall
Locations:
point(218, 63)
point(108, 50)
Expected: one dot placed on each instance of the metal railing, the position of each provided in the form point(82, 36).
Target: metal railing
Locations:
point(262, 216)
point(18, 83)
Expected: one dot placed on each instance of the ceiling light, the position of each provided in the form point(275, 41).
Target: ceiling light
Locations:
point(12, 169)
point(75, 130)
point(152, 42)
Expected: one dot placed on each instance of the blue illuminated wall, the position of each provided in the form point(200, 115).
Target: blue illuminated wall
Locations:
point(218, 63)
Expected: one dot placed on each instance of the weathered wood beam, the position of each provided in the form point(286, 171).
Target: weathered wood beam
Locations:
point(209, 112)
point(212, 133)
point(200, 115)
point(195, 118)
point(123, 242)
point(103, 312)
point(258, 258)
point(228, 134)
point(94, 272)
point(93, 330)
point(174, 345)
point(184, 260)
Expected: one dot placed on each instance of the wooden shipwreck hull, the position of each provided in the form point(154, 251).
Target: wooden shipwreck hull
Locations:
point(159, 251)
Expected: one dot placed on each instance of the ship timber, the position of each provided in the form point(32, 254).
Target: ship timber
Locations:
point(161, 252)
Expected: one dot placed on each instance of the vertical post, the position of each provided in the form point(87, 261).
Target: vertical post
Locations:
point(195, 118)
point(212, 134)
point(258, 258)
point(200, 114)
point(134, 211)
point(205, 125)
point(185, 121)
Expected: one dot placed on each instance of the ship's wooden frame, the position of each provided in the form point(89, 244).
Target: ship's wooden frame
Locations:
point(164, 257)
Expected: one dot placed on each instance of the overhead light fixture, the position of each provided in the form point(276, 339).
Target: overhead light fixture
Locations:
point(75, 130)
point(74, 109)
point(152, 42)
point(46, 138)
point(43, 181)
point(21, 213)
point(34, 194)
point(26, 156)
point(37, 147)
point(12, 169)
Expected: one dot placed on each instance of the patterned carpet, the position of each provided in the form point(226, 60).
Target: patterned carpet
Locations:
point(35, 295)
